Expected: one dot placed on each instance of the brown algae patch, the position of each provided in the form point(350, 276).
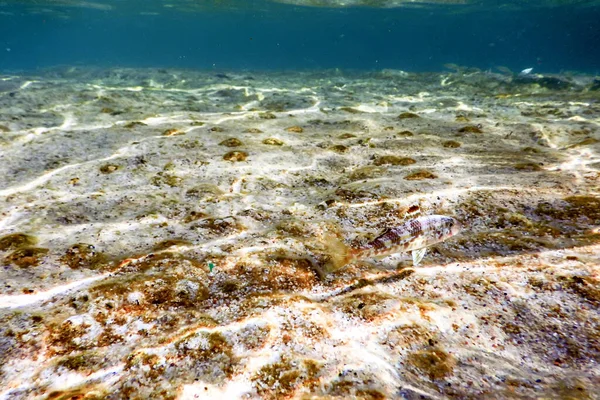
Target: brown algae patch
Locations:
point(470, 129)
point(420, 175)
point(339, 148)
point(26, 257)
point(393, 160)
point(408, 115)
point(281, 379)
point(351, 110)
point(295, 129)
point(267, 115)
point(278, 274)
point(451, 144)
point(231, 142)
point(409, 336)
point(584, 142)
point(163, 178)
point(109, 168)
point(365, 172)
point(173, 132)
point(16, 241)
point(273, 142)
point(434, 363)
point(133, 124)
point(83, 255)
point(575, 207)
point(235, 156)
point(367, 306)
point(208, 354)
point(586, 287)
point(530, 166)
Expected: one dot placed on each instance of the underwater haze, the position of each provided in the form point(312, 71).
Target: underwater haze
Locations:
point(300, 199)
point(262, 34)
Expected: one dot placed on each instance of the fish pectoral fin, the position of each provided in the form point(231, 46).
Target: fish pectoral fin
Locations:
point(418, 255)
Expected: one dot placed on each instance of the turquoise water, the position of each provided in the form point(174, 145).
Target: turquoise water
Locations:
point(270, 35)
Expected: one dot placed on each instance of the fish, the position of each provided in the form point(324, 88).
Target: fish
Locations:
point(526, 71)
point(414, 236)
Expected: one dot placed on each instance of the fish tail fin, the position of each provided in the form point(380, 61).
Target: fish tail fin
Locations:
point(338, 253)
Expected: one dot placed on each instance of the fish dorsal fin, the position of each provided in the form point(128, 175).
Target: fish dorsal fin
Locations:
point(418, 255)
point(382, 232)
point(413, 211)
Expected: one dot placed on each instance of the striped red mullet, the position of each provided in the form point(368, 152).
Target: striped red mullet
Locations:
point(415, 236)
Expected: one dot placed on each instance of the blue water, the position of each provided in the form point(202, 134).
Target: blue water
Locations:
point(265, 35)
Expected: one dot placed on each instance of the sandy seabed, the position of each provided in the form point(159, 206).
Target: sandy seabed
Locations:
point(169, 234)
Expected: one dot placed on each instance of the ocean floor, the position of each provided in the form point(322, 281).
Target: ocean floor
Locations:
point(170, 234)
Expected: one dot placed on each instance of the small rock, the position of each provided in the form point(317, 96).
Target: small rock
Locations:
point(253, 130)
